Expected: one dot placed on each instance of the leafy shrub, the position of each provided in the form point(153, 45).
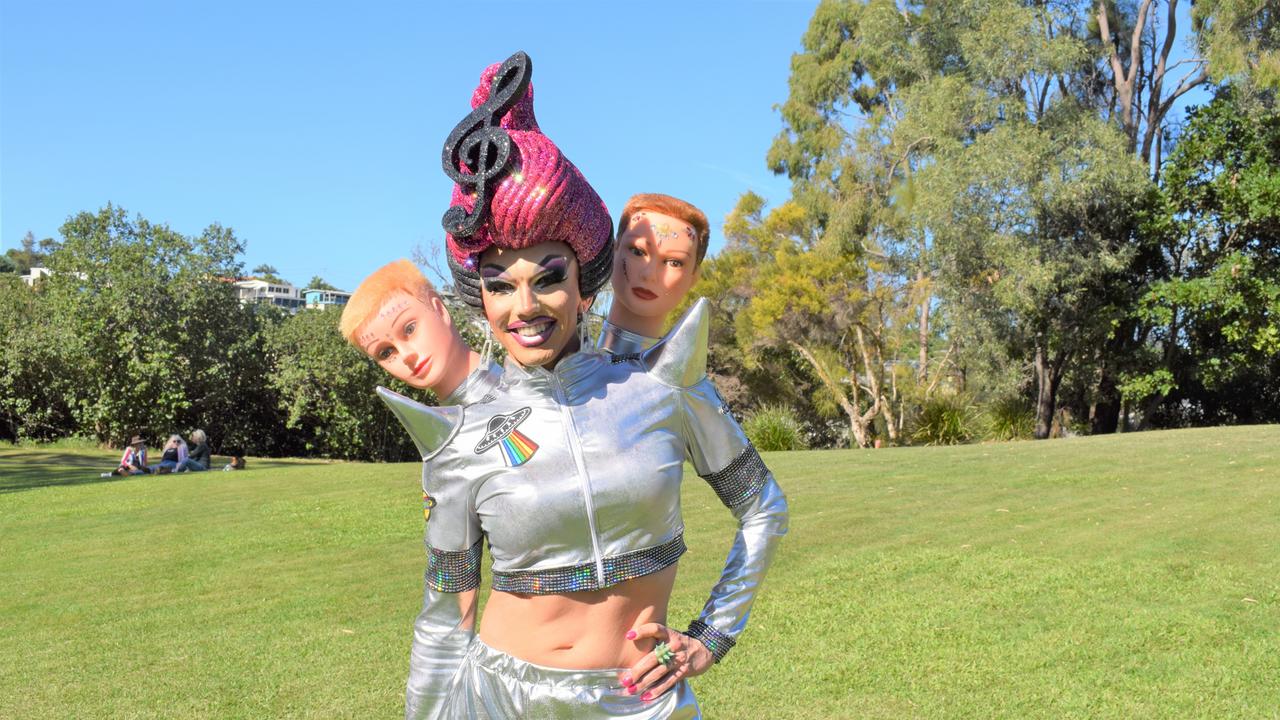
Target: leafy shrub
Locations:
point(775, 427)
point(946, 420)
point(1010, 418)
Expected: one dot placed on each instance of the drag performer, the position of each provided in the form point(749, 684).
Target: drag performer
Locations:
point(661, 243)
point(571, 469)
point(399, 320)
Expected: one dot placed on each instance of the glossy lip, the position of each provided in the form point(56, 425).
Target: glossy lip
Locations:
point(532, 321)
point(531, 341)
point(644, 294)
point(421, 368)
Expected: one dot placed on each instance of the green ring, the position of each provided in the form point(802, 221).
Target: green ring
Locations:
point(662, 651)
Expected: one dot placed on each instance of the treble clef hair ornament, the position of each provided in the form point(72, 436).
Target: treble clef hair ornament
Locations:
point(513, 188)
point(481, 146)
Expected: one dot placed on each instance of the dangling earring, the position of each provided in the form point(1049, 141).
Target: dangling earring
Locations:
point(584, 335)
point(486, 350)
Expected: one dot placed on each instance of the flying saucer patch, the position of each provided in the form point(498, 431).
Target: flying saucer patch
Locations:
point(517, 448)
point(428, 502)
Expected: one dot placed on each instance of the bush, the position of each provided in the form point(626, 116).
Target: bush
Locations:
point(946, 420)
point(1011, 418)
point(775, 427)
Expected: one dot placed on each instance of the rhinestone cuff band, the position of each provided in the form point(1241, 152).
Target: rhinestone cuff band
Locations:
point(573, 578)
point(454, 570)
point(717, 642)
point(741, 479)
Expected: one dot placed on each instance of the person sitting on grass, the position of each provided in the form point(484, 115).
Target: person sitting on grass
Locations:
point(175, 454)
point(198, 457)
point(134, 459)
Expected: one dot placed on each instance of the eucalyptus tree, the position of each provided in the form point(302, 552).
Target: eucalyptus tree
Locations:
point(959, 143)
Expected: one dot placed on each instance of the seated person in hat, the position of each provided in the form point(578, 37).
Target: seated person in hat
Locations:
point(134, 459)
point(661, 243)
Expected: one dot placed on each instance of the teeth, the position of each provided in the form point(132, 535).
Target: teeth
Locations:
point(532, 330)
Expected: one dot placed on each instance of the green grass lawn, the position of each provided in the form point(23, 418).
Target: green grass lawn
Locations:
point(1130, 576)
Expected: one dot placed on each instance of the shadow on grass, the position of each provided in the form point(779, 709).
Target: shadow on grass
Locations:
point(29, 469)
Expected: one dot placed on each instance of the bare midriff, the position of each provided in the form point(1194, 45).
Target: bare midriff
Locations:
point(580, 630)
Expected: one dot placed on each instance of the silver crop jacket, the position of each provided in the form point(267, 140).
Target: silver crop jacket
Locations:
point(573, 476)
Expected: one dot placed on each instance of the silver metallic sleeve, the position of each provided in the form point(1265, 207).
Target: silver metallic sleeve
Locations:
point(445, 628)
point(442, 635)
point(725, 458)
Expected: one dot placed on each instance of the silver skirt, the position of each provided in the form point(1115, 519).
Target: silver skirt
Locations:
point(492, 684)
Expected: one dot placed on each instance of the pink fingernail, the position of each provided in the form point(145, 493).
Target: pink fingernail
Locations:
point(631, 634)
point(631, 689)
point(627, 681)
point(646, 697)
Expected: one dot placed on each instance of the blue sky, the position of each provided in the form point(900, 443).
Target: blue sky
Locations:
point(314, 129)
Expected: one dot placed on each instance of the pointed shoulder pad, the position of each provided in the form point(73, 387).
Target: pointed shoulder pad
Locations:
point(430, 427)
point(680, 358)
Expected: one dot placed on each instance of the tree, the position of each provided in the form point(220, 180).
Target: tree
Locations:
point(7, 266)
point(1240, 39)
point(37, 371)
point(952, 142)
point(326, 389)
point(1214, 343)
point(31, 254)
point(158, 342)
point(319, 283)
point(268, 273)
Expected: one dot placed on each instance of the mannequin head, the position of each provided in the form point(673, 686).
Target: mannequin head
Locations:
point(661, 243)
point(397, 318)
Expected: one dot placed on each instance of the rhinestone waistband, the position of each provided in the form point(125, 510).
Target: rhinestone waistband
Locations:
point(574, 578)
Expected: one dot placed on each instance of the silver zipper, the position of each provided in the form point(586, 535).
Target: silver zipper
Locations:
point(571, 431)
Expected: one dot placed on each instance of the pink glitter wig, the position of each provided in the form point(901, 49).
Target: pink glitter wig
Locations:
point(539, 196)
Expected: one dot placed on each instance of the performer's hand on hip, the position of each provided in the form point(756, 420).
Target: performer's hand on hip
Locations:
point(674, 657)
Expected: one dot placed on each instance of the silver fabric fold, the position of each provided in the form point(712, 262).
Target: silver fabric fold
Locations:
point(723, 456)
point(492, 685)
point(442, 634)
point(619, 341)
point(476, 386)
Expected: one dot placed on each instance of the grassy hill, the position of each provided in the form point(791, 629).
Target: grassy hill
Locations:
point(1124, 576)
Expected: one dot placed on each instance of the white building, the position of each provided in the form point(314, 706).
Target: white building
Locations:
point(280, 294)
point(36, 275)
point(317, 299)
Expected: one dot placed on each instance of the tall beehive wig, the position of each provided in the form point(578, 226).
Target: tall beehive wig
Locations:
point(538, 196)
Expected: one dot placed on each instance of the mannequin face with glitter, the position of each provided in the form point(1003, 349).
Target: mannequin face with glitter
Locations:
point(655, 264)
point(414, 340)
point(532, 301)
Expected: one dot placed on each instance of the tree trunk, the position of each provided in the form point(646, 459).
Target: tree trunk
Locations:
point(1048, 376)
point(1106, 414)
point(922, 373)
point(857, 422)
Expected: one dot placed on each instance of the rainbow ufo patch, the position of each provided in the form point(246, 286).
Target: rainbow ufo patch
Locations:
point(517, 448)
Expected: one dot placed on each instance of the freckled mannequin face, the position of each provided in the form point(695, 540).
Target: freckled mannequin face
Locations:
point(532, 301)
point(654, 264)
point(411, 339)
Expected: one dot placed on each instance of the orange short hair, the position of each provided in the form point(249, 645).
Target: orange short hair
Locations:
point(676, 208)
point(394, 277)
